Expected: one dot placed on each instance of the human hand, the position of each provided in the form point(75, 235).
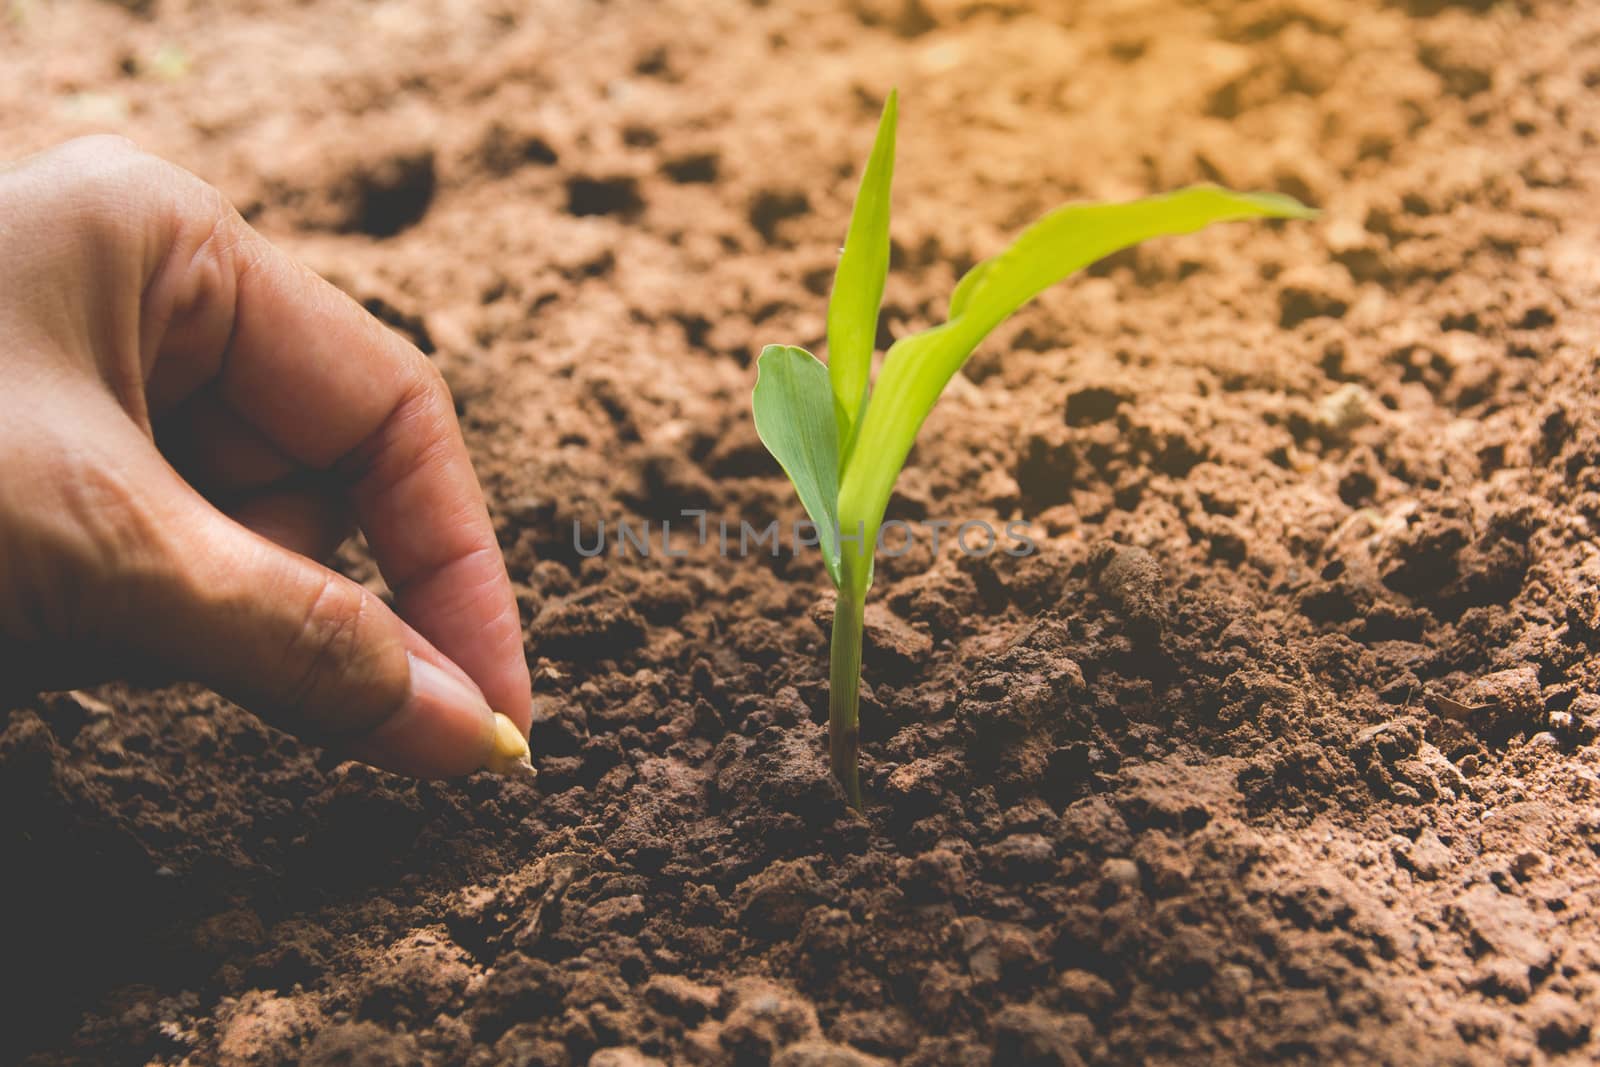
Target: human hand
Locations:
point(188, 421)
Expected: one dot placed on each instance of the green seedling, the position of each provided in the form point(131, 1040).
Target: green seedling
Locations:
point(842, 439)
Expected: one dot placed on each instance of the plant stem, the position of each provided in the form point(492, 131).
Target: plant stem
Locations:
point(844, 694)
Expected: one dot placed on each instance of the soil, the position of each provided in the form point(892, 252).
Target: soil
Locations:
point(1281, 747)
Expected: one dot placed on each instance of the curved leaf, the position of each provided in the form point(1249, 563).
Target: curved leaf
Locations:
point(793, 409)
point(967, 286)
point(919, 366)
point(1072, 237)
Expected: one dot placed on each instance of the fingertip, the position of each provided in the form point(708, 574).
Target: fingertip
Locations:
point(418, 645)
point(442, 730)
point(506, 688)
point(467, 611)
point(511, 694)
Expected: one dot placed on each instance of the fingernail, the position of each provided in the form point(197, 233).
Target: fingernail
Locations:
point(432, 685)
point(442, 730)
point(510, 755)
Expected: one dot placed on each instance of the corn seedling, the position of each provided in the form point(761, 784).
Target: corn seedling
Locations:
point(842, 439)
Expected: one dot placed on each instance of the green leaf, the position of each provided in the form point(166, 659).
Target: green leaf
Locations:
point(966, 286)
point(858, 282)
point(793, 409)
point(1072, 237)
point(919, 366)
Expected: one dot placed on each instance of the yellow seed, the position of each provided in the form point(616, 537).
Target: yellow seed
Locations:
point(510, 754)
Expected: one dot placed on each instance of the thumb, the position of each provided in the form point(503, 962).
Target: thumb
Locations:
point(312, 651)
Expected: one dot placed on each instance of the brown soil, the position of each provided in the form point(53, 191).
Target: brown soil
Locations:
point(1280, 750)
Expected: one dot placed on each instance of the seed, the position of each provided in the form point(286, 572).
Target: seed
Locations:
point(510, 755)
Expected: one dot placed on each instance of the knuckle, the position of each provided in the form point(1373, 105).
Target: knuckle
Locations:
point(107, 164)
point(329, 641)
point(100, 192)
point(99, 148)
point(110, 183)
point(89, 182)
point(429, 406)
point(95, 558)
point(432, 390)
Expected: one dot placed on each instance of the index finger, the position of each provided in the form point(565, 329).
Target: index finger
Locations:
point(333, 388)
